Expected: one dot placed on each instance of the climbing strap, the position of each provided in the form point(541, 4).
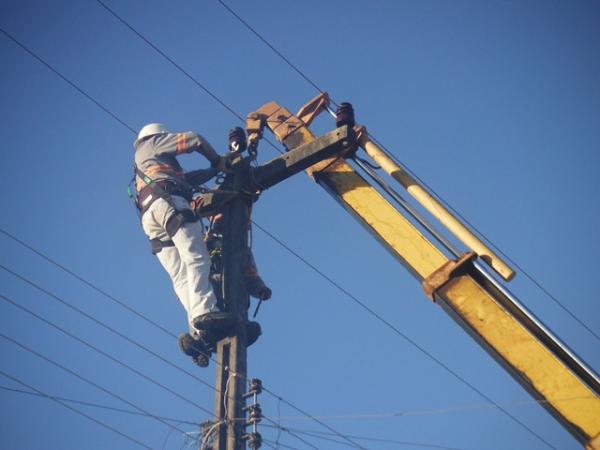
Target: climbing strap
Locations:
point(158, 245)
point(164, 189)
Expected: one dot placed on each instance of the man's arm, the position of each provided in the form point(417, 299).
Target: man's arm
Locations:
point(187, 142)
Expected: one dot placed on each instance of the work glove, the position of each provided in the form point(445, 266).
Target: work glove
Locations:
point(200, 176)
point(258, 289)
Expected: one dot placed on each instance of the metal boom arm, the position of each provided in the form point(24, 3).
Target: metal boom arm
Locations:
point(495, 319)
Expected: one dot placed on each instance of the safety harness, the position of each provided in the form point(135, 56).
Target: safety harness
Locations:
point(164, 189)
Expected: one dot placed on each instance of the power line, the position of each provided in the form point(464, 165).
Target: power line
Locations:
point(103, 325)
point(268, 44)
point(364, 306)
point(86, 380)
point(171, 60)
point(64, 302)
point(490, 242)
point(105, 354)
point(96, 405)
point(81, 413)
point(271, 444)
point(438, 411)
point(322, 435)
point(291, 433)
point(101, 291)
point(87, 283)
point(71, 83)
point(96, 102)
point(398, 332)
point(429, 188)
point(177, 66)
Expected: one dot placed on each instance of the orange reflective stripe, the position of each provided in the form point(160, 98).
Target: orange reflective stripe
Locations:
point(184, 143)
point(178, 143)
point(152, 170)
point(181, 143)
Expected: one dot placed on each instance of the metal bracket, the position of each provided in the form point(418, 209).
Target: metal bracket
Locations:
point(313, 108)
point(445, 273)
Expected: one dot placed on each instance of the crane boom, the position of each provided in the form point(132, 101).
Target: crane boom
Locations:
point(544, 366)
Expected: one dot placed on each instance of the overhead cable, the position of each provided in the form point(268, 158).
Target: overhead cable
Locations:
point(414, 175)
point(400, 333)
point(323, 435)
point(87, 283)
point(268, 44)
point(87, 380)
point(103, 325)
point(177, 66)
point(87, 96)
point(106, 355)
point(81, 413)
point(97, 405)
point(71, 83)
point(483, 395)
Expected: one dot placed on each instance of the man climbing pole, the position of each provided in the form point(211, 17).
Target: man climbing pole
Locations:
point(169, 219)
point(176, 235)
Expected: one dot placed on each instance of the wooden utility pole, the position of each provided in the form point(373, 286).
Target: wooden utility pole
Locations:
point(231, 351)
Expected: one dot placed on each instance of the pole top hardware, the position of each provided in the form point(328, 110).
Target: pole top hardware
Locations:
point(255, 387)
point(254, 414)
point(254, 440)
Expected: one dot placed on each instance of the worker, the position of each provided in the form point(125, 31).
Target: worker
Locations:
point(176, 235)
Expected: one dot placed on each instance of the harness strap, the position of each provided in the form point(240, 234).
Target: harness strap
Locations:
point(173, 225)
point(175, 222)
point(164, 189)
point(158, 245)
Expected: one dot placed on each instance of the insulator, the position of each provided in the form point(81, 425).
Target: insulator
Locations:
point(345, 115)
point(255, 386)
point(237, 140)
point(254, 413)
point(254, 440)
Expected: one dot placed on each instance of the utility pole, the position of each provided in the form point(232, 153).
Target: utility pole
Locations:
point(231, 351)
point(245, 181)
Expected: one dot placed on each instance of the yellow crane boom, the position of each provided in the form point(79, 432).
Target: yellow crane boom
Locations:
point(482, 306)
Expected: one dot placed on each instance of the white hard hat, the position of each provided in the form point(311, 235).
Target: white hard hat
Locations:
point(151, 129)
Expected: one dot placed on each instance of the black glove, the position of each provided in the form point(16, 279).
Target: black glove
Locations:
point(200, 176)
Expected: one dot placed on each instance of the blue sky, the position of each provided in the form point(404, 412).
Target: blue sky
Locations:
point(494, 104)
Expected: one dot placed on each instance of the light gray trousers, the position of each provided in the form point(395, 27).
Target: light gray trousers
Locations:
point(188, 262)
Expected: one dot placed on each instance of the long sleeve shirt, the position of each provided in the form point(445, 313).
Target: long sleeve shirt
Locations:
point(156, 155)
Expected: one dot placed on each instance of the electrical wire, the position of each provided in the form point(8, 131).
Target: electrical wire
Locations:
point(210, 431)
point(103, 325)
point(322, 434)
point(293, 434)
point(490, 242)
point(268, 44)
point(431, 190)
point(339, 287)
point(101, 291)
point(81, 413)
point(271, 443)
point(432, 412)
point(399, 333)
point(87, 283)
point(177, 66)
point(97, 405)
point(86, 380)
point(105, 109)
point(106, 355)
point(72, 84)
